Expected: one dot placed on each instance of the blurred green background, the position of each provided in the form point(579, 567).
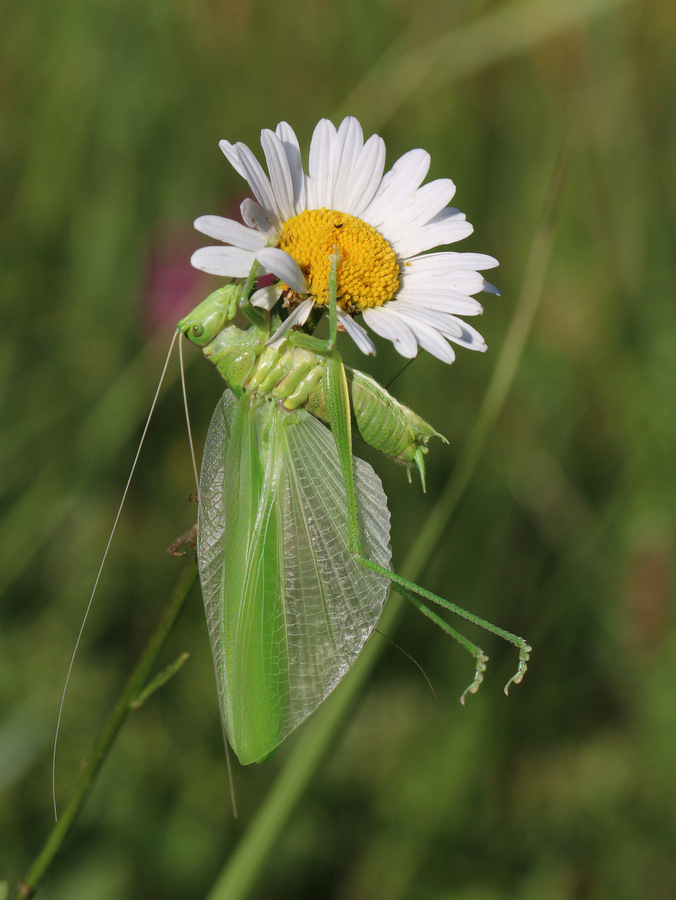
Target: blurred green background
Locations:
point(111, 114)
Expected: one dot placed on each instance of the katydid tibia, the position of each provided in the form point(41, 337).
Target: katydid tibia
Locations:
point(293, 530)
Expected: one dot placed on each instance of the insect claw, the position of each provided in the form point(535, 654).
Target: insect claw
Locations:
point(524, 656)
point(189, 537)
point(481, 661)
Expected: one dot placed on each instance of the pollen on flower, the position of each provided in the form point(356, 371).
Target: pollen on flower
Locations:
point(368, 272)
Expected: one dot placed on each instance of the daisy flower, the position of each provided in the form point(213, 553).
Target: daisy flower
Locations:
point(381, 226)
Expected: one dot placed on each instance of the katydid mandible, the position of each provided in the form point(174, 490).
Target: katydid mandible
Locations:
point(293, 531)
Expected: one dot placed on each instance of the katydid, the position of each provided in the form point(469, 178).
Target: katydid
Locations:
point(293, 530)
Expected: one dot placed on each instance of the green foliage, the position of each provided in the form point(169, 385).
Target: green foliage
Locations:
point(112, 112)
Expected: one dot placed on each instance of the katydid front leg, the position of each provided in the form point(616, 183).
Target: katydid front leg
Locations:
point(212, 315)
point(254, 315)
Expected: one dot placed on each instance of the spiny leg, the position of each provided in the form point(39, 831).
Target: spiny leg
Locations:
point(338, 408)
point(417, 595)
point(477, 652)
point(340, 425)
point(309, 341)
point(254, 315)
point(188, 538)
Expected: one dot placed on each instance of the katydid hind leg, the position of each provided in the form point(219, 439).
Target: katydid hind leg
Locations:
point(419, 596)
point(338, 407)
point(476, 651)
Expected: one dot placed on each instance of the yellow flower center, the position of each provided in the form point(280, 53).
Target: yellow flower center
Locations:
point(368, 272)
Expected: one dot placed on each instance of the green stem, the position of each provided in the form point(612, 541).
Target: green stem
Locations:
point(125, 703)
point(244, 866)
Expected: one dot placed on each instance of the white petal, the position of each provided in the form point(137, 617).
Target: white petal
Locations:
point(232, 157)
point(451, 259)
point(230, 232)
point(403, 179)
point(284, 267)
point(447, 227)
point(392, 328)
point(357, 333)
point(443, 322)
point(447, 302)
point(280, 174)
point(297, 317)
point(418, 209)
point(254, 217)
point(470, 338)
point(449, 326)
point(228, 261)
point(367, 176)
point(287, 136)
point(320, 173)
point(427, 336)
point(266, 297)
point(465, 281)
point(259, 183)
point(348, 146)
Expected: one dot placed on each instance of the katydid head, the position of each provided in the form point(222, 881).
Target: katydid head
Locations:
point(210, 317)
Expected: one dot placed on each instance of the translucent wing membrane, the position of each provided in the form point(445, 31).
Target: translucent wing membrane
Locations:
point(296, 607)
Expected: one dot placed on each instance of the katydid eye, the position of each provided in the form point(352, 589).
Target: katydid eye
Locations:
point(197, 330)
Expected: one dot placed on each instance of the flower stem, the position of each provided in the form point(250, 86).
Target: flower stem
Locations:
point(116, 719)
